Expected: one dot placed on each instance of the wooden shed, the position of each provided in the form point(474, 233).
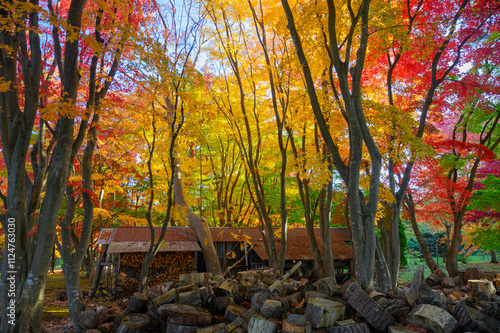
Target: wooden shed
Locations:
point(125, 249)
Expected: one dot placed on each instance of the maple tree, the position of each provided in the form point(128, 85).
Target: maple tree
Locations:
point(51, 102)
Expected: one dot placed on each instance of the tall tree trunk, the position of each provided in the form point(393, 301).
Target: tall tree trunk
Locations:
point(325, 212)
point(198, 224)
point(31, 271)
point(98, 270)
point(410, 207)
point(349, 75)
point(73, 251)
point(494, 259)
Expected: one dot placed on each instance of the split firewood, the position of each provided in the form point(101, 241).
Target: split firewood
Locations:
point(170, 295)
point(258, 304)
point(138, 303)
point(133, 324)
point(371, 311)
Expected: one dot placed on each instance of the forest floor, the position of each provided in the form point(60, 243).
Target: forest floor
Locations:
point(56, 313)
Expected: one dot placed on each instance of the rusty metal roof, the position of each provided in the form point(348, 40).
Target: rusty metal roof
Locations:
point(298, 245)
point(105, 235)
point(122, 247)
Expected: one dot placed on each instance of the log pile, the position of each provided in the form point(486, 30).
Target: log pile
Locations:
point(262, 301)
point(165, 266)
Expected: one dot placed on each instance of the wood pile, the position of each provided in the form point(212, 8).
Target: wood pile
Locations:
point(165, 266)
point(262, 301)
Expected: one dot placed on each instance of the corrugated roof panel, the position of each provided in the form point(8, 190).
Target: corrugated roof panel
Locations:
point(298, 244)
point(123, 247)
point(105, 236)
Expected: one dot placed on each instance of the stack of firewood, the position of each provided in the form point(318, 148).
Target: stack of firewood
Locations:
point(165, 266)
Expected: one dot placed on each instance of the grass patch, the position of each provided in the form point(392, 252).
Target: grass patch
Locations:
point(479, 261)
point(52, 309)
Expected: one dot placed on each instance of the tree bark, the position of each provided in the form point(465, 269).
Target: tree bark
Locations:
point(31, 270)
point(362, 213)
point(325, 212)
point(198, 224)
point(98, 270)
point(494, 259)
point(410, 207)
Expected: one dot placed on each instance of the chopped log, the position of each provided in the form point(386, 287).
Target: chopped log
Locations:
point(289, 327)
point(221, 303)
point(448, 282)
point(259, 324)
point(183, 314)
point(88, 319)
point(194, 278)
point(119, 318)
point(472, 320)
point(432, 318)
point(482, 286)
point(255, 297)
point(190, 297)
point(371, 311)
point(321, 312)
point(316, 294)
point(240, 320)
point(169, 296)
point(471, 273)
point(133, 324)
point(207, 295)
point(175, 328)
point(349, 287)
point(295, 328)
point(293, 300)
point(350, 328)
point(271, 309)
point(395, 306)
point(151, 295)
point(433, 280)
point(228, 286)
point(296, 318)
point(329, 286)
point(233, 312)
point(138, 303)
point(420, 289)
point(155, 319)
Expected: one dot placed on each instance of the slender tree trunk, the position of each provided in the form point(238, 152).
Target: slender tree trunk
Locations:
point(410, 207)
point(98, 271)
point(394, 250)
point(325, 212)
point(451, 255)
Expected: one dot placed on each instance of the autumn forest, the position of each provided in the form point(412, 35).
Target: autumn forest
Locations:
point(365, 114)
